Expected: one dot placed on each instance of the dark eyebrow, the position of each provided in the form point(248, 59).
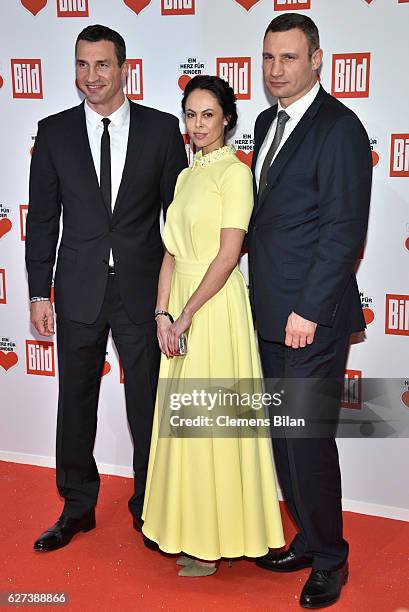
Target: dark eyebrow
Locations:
point(100, 61)
point(190, 110)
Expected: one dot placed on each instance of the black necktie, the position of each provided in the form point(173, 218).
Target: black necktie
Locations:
point(282, 119)
point(105, 168)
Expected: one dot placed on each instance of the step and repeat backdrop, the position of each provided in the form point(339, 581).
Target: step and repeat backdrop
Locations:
point(366, 48)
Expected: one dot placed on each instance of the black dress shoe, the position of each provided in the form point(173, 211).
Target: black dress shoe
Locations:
point(65, 528)
point(323, 587)
point(285, 561)
point(137, 525)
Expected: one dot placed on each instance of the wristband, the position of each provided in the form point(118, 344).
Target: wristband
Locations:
point(164, 313)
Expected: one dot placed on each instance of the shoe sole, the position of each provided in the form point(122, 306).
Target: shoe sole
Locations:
point(84, 530)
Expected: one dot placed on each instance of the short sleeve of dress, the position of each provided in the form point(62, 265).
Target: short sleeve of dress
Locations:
point(180, 179)
point(237, 196)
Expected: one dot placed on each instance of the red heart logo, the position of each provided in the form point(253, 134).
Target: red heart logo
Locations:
point(8, 360)
point(106, 369)
point(407, 243)
point(183, 81)
point(5, 226)
point(34, 6)
point(369, 315)
point(375, 158)
point(368, 1)
point(244, 157)
point(137, 5)
point(247, 4)
point(1, 81)
point(405, 398)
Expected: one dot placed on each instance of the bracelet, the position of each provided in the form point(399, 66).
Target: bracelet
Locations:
point(165, 313)
point(39, 299)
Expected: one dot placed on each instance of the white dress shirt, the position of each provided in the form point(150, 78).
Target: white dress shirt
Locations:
point(295, 111)
point(118, 134)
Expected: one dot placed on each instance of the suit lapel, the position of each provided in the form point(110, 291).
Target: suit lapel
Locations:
point(132, 152)
point(264, 128)
point(85, 159)
point(291, 144)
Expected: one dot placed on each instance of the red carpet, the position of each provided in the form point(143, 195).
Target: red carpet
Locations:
point(109, 569)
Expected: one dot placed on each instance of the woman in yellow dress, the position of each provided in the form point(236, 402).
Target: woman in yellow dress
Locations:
point(209, 497)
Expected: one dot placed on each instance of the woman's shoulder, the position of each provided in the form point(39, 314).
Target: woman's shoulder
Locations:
point(235, 169)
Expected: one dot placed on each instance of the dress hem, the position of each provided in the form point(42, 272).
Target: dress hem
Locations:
point(235, 555)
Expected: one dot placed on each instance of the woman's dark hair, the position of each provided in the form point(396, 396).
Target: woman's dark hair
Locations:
point(221, 90)
point(289, 21)
point(95, 33)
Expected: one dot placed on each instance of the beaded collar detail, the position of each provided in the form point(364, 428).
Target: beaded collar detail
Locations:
point(214, 156)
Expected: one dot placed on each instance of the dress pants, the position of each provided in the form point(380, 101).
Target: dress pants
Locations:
point(81, 357)
point(308, 467)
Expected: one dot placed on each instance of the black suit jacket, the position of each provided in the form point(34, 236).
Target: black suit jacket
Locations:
point(309, 225)
point(63, 177)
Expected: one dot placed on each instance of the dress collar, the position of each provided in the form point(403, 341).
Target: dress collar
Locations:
point(214, 156)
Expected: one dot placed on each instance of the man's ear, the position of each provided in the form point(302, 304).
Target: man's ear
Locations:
point(124, 70)
point(316, 59)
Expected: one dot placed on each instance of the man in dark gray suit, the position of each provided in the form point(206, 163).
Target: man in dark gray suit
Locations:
point(312, 168)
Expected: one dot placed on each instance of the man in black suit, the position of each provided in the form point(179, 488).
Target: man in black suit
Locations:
point(313, 171)
point(110, 165)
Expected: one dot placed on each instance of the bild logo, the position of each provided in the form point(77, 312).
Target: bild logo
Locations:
point(178, 7)
point(72, 8)
point(399, 155)
point(397, 315)
point(293, 5)
point(350, 75)
point(352, 391)
point(23, 220)
point(26, 78)
point(134, 83)
point(40, 357)
point(237, 72)
point(3, 295)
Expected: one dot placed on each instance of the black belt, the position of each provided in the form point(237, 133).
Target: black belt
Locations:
point(111, 270)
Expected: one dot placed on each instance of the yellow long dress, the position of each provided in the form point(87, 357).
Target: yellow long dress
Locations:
point(211, 497)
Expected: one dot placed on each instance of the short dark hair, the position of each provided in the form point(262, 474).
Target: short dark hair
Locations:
point(289, 21)
point(221, 90)
point(95, 33)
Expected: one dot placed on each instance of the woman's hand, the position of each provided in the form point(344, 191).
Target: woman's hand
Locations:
point(176, 330)
point(162, 327)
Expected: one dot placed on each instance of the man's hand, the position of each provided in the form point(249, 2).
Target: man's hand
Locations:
point(42, 317)
point(299, 332)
